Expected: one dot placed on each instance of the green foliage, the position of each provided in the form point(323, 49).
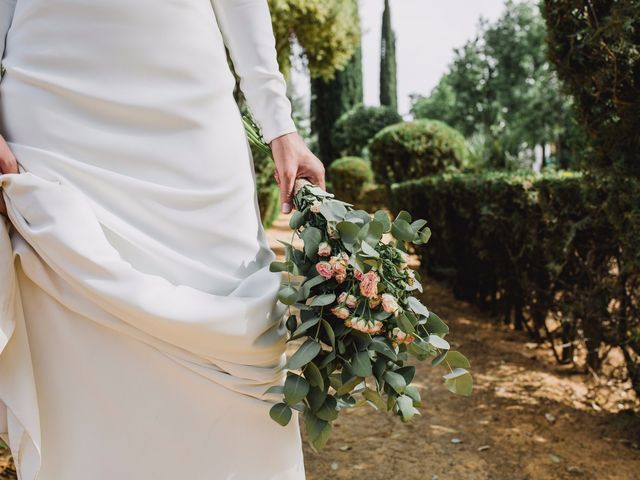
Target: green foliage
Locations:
point(501, 89)
point(355, 128)
point(595, 48)
point(349, 176)
point(388, 80)
point(415, 149)
point(332, 98)
point(327, 30)
point(537, 247)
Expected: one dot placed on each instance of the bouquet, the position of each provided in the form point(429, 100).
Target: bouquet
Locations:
point(353, 308)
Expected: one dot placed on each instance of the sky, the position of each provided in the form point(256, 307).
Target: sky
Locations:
point(427, 31)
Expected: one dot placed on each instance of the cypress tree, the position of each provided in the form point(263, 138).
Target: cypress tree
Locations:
point(331, 98)
point(388, 85)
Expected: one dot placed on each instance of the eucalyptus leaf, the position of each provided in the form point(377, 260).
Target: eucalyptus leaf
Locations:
point(361, 364)
point(311, 236)
point(373, 397)
point(404, 215)
point(305, 290)
point(313, 375)
point(435, 325)
point(295, 388)
point(287, 295)
point(328, 411)
point(417, 306)
point(296, 220)
point(304, 326)
point(438, 342)
point(401, 230)
point(396, 381)
point(275, 389)
point(405, 405)
point(323, 299)
point(307, 352)
point(459, 381)
point(348, 386)
point(455, 359)
point(318, 430)
point(381, 346)
point(329, 331)
point(382, 217)
point(281, 413)
point(405, 324)
point(287, 266)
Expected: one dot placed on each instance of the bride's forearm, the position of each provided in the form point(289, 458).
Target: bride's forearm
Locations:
point(248, 34)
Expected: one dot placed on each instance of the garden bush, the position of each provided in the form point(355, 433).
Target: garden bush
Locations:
point(409, 150)
point(353, 130)
point(348, 177)
point(534, 248)
point(266, 187)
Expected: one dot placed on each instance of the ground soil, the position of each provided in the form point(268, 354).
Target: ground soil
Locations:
point(528, 418)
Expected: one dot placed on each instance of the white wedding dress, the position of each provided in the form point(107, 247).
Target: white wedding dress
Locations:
point(139, 325)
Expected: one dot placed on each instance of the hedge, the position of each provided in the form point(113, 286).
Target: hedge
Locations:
point(560, 246)
point(356, 127)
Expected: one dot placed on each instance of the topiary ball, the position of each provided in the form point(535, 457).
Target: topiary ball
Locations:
point(348, 177)
point(415, 149)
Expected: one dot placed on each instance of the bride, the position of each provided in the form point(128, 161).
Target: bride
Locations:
point(139, 327)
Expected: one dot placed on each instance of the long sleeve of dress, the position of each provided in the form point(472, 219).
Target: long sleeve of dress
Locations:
point(248, 34)
point(6, 15)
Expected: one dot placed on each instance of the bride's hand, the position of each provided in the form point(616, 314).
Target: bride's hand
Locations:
point(293, 160)
point(8, 164)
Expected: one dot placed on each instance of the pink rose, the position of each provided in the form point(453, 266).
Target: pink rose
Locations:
point(325, 269)
point(375, 327)
point(324, 249)
point(359, 324)
point(389, 303)
point(341, 277)
point(369, 284)
point(374, 302)
point(341, 312)
point(352, 301)
point(358, 274)
point(342, 298)
point(399, 336)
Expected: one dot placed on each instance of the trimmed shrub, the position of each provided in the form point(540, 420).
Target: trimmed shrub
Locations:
point(353, 130)
point(348, 177)
point(266, 187)
point(409, 150)
point(534, 248)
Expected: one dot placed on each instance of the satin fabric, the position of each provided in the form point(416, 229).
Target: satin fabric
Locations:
point(139, 325)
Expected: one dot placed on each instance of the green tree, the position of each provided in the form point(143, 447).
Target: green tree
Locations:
point(502, 89)
point(594, 44)
point(388, 69)
point(330, 99)
point(327, 30)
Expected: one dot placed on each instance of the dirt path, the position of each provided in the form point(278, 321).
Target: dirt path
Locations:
point(527, 419)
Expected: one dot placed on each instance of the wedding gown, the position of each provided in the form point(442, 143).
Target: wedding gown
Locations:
point(139, 325)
